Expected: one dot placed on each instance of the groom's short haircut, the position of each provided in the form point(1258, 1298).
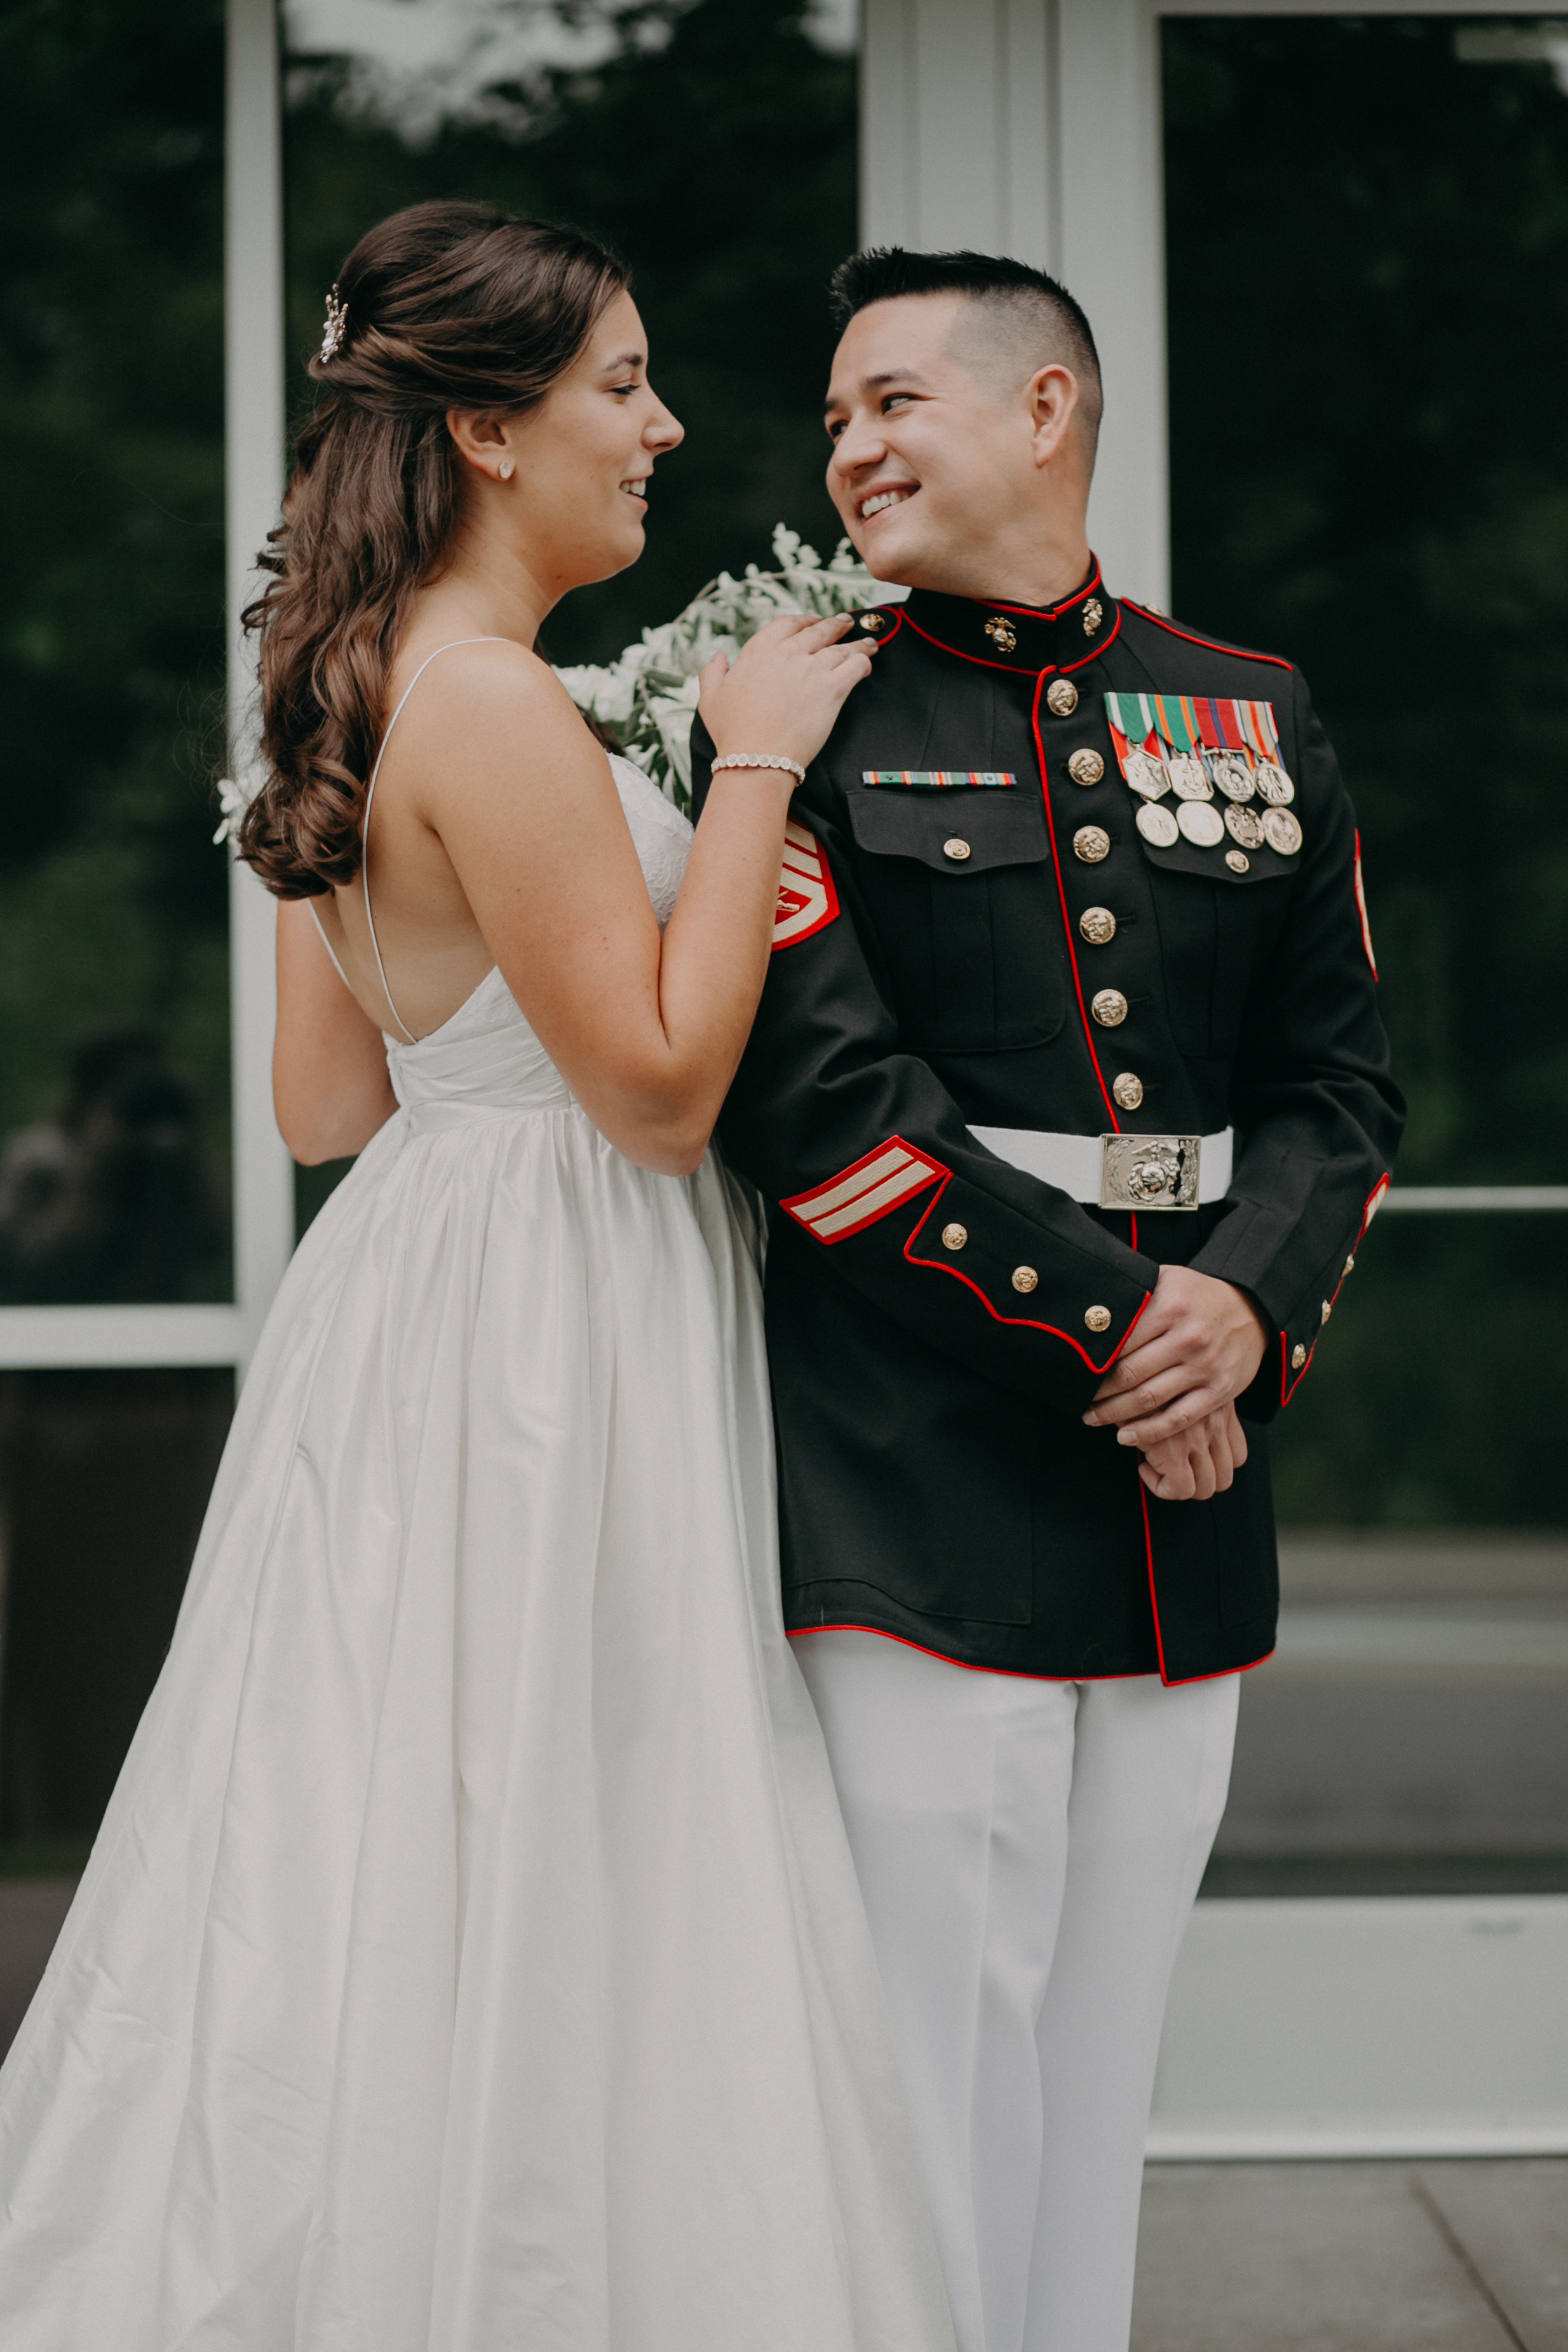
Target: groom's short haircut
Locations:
point(1026, 321)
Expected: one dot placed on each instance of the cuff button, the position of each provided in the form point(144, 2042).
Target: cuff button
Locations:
point(1298, 1357)
point(1098, 1318)
point(954, 1236)
point(1025, 1278)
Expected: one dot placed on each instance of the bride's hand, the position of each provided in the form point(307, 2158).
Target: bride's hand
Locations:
point(786, 690)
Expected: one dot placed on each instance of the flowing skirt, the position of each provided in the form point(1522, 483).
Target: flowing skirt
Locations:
point(471, 1960)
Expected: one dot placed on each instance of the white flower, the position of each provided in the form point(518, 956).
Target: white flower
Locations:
point(607, 694)
point(648, 694)
point(234, 803)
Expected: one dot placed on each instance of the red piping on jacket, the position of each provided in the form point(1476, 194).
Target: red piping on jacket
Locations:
point(898, 611)
point(1015, 1322)
point(1153, 1597)
point(1013, 1674)
point(1067, 919)
point(1212, 645)
point(1287, 1386)
point(982, 661)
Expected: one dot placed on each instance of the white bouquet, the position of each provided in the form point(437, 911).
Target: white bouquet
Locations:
point(647, 697)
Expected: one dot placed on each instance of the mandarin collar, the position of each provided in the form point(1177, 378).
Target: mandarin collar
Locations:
point(1028, 639)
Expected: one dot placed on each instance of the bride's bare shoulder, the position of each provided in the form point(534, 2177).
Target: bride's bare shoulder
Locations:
point(488, 700)
point(475, 672)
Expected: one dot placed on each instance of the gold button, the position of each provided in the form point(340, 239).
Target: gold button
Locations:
point(1349, 1266)
point(873, 621)
point(1061, 698)
point(1025, 1278)
point(1098, 926)
point(1109, 1008)
point(1091, 843)
point(1128, 1090)
point(1098, 1318)
point(955, 849)
point(1327, 1309)
point(1238, 861)
point(1298, 1357)
point(1085, 767)
point(1001, 634)
point(954, 1236)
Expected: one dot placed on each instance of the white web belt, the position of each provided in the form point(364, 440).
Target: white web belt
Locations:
point(1120, 1171)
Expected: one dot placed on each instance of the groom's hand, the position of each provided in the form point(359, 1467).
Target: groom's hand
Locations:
point(1201, 1461)
point(1196, 1346)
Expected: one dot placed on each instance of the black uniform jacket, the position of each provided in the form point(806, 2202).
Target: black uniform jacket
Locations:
point(938, 1321)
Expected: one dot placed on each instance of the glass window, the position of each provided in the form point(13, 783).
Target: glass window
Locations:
point(1367, 252)
point(104, 1478)
point(113, 911)
point(714, 146)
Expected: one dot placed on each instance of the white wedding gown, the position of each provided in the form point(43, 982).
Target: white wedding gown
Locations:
point(471, 1959)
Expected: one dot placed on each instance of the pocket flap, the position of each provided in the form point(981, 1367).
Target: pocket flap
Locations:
point(994, 828)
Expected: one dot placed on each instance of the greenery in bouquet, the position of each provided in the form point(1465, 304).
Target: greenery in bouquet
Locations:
point(645, 698)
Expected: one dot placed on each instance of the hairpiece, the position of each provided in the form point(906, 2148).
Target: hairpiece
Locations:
point(337, 327)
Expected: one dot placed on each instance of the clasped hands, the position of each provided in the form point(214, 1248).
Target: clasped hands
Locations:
point(1197, 1344)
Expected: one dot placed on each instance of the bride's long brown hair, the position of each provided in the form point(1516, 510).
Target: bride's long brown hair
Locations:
point(444, 306)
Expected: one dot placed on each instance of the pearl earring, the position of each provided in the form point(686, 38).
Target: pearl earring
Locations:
point(504, 469)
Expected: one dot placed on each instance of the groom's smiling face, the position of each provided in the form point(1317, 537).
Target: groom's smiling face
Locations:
point(936, 448)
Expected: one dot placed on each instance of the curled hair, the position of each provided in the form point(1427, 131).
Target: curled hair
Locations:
point(444, 306)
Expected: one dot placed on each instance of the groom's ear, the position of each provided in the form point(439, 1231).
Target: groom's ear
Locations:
point(1052, 397)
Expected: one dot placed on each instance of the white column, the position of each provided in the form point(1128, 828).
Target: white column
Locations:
point(254, 458)
point(1032, 128)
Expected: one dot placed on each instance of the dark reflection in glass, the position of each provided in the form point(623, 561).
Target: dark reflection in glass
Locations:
point(631, 122)
point(104, 1476)
point(110, 1200)
point(113, 899)
point(1367, 241)
point(1367, 245)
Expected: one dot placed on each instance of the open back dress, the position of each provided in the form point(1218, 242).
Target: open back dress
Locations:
point(470, 1959)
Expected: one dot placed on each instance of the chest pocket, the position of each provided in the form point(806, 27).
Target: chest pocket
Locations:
point(1212, 937)
point(959, 885)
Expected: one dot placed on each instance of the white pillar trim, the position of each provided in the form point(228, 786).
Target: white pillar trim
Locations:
point(254, 436)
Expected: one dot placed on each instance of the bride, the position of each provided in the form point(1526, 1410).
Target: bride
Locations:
point(470, 1959)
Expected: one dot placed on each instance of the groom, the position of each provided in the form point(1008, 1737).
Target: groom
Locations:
point(1070, 1102)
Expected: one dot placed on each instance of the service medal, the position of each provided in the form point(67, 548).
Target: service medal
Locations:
point(1146, 774)
point(1201, 823)
point(1232, 771)
point(1246, 826)
point(1274, 784)
point(1188, 780)
point(1282, 831)
point(1157, 825)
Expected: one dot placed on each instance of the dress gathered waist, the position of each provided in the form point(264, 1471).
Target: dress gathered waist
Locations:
point(439, 1112)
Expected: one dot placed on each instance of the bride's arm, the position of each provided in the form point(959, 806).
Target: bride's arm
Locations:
point(646, 1032)
point(330, 1088)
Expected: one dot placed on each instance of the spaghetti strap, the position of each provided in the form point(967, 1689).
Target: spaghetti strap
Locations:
point(331, 952)
point(365, 827)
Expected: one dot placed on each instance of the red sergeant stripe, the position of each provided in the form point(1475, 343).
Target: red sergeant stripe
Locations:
point(1066, 920)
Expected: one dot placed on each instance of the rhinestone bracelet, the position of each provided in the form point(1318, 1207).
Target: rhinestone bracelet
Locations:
point(750, 760)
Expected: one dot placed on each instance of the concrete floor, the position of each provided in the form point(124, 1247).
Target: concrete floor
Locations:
point(1452, 2257)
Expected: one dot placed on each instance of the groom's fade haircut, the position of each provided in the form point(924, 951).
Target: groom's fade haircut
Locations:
point(1015, 318)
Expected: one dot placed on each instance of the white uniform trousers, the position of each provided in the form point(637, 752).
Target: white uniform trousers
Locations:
point(1030, 1853)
